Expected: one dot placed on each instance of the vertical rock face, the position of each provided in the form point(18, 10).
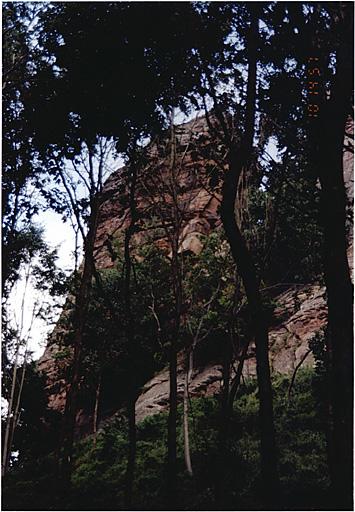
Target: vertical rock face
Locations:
point(300, 310)
point(200, 217)
point(49, 364)
point(198, 204)
point(300, 313)
point(348, 160)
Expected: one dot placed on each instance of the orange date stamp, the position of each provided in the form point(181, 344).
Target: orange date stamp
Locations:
point(313, 86)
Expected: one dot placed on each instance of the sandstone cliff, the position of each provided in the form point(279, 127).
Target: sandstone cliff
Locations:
point(300, 310)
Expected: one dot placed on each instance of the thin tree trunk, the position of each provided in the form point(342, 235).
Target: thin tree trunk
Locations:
point(9, 417)
point(172, 453)
point(12, 417)
point(96, 408)
point(188, 377)
point(239, 158)
point(132, 436)
point(177, 287)
point(189, 362)
point(236, 380)
point(221, 490)
point(298, 366)
point(81, 308)
point(131, 403)
point(248, 274)
point(17, 408)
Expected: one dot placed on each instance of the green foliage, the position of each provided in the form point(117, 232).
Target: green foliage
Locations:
point(317, 345)
point(172, 55)
point(25, 248)
point(61, 354)
point(320, 379)
point(22, 172)
point(82, 84)
point(36, 422)
point(106, 353)
point(208, 285)
point(282, 224)
point(98, 478)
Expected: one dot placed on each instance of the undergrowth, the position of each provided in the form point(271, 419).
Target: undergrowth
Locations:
point(98, 477)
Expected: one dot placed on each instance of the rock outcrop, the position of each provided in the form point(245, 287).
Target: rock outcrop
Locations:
point(300, 311)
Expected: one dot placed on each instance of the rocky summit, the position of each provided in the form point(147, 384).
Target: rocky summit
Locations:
point(300, 311)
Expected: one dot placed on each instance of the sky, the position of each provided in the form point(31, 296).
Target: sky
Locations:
point(57, 234)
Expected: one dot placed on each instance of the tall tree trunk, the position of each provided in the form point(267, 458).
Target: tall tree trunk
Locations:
point(188, 372)
point(81, 308)
point(223, 433)
point(131, 460)
point(10, 416)
point(96, 408)
point(239, 158)
point(238, 375)
point(17, 409)
point(188, 377)
point(13, 410)
point(131, 403)
point(177, 288)
point(329, 133)
point(172, 453)
point(171, 488)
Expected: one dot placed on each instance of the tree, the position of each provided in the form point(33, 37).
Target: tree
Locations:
point(244, 65)
point(35, 421)
point(210, 287)
point(86, 49)
point(316, 41)
point(106, 105)
point(88, 171)
point(41, 274)
point(21, 169)
point(328, 132)
point(239, 149)
point(130, 331)
point(162, 187)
